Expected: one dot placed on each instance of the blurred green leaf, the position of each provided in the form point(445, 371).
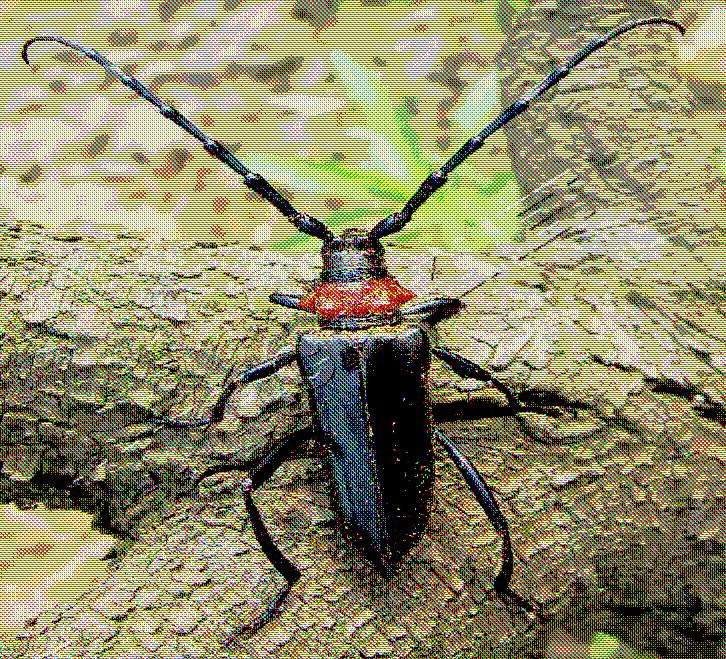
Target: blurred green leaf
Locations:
point(498, 184)
point(710, 35)
point(519, 5)
point(365, 87)
point(603, 646)
point(384, 157)
point(328, 178)
point(483, 97)
point(361, 85)
point(463, 214)
point(401, 117)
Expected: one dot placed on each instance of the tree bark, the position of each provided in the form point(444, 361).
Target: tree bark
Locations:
point(610, 310)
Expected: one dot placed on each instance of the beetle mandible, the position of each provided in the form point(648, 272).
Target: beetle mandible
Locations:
point(366, 365)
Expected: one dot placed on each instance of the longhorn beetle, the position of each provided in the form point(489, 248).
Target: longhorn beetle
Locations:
point(366, 365)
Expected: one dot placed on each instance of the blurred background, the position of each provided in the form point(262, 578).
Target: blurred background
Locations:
point(344, 105)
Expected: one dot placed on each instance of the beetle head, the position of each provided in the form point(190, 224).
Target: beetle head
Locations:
point(352, 256)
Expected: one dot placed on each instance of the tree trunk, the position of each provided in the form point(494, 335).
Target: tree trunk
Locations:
point(611, 311)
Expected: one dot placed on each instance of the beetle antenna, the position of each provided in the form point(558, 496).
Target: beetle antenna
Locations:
point(396, 221)
point(302, 221)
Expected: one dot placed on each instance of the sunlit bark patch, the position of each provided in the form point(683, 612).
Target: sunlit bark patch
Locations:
point(47, 558)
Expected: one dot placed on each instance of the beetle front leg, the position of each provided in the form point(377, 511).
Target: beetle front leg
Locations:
point(484, 495)
point(436, 310)
point(258, 372)
point(289, 300)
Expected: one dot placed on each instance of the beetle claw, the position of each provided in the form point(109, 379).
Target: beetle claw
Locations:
point(246, 631)
point(508, 596)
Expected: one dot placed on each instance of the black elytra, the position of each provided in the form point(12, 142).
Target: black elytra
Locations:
point(366, 367)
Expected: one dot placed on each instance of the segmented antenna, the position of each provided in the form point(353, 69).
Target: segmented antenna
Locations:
point(396, 221)
point(302, 221)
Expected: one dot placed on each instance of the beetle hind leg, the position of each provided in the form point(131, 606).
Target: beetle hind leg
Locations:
point(282, 564)
point(260, 473)
point(484, 495)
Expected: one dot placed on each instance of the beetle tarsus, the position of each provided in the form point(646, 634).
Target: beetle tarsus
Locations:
point(509, 597)
point(501, 583)
point(257, 372)
point(270, 612)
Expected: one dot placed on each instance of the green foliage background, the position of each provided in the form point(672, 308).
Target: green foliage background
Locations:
point(346, 105)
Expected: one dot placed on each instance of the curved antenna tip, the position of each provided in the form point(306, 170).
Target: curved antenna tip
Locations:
point(675, 24)
point(47, 37)
point(662, 21)
point(30, 42)
point(24, 53)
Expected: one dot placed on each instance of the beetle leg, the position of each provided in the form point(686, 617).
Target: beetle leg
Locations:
point(260, 473)
point(261, 370)
point(469, 369)
point(289, 300)
point(262, 467)
point(435, 310)
point(484, 495)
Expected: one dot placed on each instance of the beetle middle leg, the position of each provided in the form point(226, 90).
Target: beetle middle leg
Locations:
point(260, 470)
point(484, 495)
point(469, 369)
point(257, 372)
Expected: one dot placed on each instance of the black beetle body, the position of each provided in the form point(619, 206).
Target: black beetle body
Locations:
point(366, 367)
point(378, 433)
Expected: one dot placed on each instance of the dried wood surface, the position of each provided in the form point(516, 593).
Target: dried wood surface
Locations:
point(611, 310)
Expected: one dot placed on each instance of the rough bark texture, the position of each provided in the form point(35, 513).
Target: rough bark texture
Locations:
point(611, 310)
